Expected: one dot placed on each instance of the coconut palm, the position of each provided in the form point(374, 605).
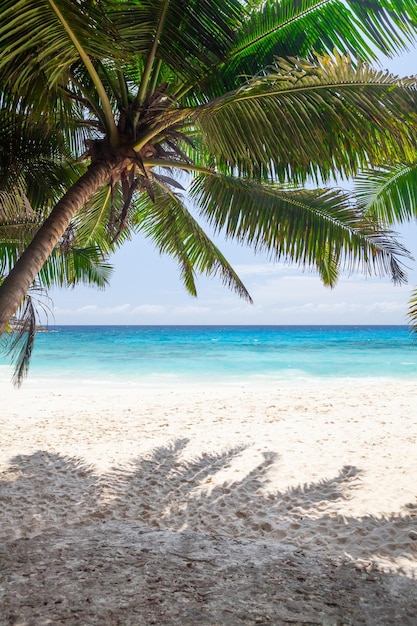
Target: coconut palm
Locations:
point(389, 194)
point(211, 100)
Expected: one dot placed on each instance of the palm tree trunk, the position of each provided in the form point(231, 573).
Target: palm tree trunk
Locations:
point(21, 277)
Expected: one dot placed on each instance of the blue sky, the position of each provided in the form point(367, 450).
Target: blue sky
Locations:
point(146, 289)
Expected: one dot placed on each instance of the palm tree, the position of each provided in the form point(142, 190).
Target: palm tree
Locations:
point(389, 194)
point(212, 97)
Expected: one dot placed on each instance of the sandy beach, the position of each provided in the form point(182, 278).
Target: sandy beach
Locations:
point(326, 471)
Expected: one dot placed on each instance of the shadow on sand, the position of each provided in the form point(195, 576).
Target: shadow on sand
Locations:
point(163, 491)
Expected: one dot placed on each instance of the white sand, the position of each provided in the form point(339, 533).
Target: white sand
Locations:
point(330, 468)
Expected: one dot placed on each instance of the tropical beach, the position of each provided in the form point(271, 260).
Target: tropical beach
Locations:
point(207, 475)
point(236, 504)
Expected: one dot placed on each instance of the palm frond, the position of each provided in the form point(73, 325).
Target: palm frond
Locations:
point(19, 343)
point(15, 207)
point(76, 266)
point(320, 119)
point(389, 193)
point(87, 265)
point(174, 231)
point(317, 228)
point(328, 268)
point(49, 36)
point(80, 262)
point(412, 312)
point(34, 156)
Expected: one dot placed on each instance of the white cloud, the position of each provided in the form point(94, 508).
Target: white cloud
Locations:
point(116, 310)
point(150, 309)
point(191, 310)
point(88, 308)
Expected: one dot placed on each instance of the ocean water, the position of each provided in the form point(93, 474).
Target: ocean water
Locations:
point(219, 354)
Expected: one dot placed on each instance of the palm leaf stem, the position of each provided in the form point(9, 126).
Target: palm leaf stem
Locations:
point(107, 108)
point(173, 119)
point(155, 76)
point(151, 57)
point(283, 24)
point(240, 95)
point(171, 163)
point(124, 93)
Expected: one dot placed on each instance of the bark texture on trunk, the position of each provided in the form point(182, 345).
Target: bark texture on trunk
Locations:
point(21, 277)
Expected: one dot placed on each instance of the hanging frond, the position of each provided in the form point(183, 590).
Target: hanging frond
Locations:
point(328, 267)
point(304, 119)
point(18, 344)
point(412, 312)
point(76, 266)
point(316, 228)
point(174, 231)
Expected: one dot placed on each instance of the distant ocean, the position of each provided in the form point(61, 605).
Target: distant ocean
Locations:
point(219, 354)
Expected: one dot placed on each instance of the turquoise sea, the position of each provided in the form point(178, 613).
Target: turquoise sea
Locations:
point(219, 354)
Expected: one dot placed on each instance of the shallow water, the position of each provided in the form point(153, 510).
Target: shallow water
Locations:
point(220, 354)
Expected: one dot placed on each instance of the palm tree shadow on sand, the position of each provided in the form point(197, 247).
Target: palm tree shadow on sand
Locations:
point(162, 491)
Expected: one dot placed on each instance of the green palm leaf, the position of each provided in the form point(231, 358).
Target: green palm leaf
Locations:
point(290, 28)
point(318, 228)
point(76, 266)
point(66, 32)
point(34, 156)
point(174, 231)
point(68, 265)
point(389, 194)
point(302, 119)
point(19, 343)
point(91, 225)
point(63, 30)
point(412, 311)
point(200, 31)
